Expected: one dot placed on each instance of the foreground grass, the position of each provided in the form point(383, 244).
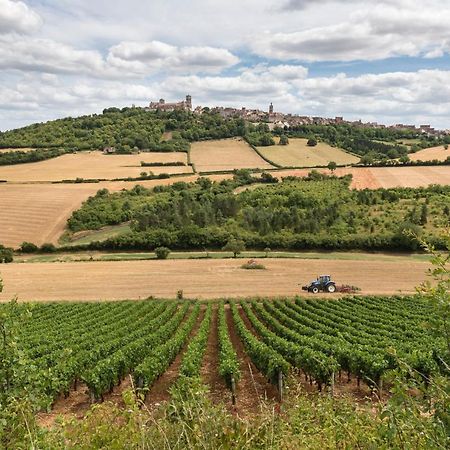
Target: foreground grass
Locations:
point(191, 421)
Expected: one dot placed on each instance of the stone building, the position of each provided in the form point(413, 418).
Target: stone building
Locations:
point(185, 105)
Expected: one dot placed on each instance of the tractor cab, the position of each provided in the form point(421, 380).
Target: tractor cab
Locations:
point(323, 279)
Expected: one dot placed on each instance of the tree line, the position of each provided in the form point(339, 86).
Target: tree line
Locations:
point(316, 212)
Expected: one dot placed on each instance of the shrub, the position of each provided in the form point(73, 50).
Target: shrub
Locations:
point(252, 264)
point(162, 252)
point(312, 142)
point(28, 247)
point(48, 248)
point(6, 255)
point(284, 140)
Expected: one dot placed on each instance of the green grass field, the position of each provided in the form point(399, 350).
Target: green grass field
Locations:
point(142, 256)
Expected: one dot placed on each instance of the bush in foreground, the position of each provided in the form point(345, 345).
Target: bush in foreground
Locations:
point(162, 252)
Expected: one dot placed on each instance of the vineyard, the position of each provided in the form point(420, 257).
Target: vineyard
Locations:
point(93, 347)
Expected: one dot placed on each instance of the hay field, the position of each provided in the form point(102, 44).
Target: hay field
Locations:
point(91, 165)
point(225, 154)
point(429, 154)
point(207, 279)
point(299, 154)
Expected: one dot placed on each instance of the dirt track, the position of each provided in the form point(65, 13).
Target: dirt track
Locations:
point(199, 278)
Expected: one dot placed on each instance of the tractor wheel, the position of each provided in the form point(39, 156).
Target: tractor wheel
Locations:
point(331, 288)
point(315, 290)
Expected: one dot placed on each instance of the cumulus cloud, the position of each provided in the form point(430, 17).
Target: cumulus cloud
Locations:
point(380, 32)
point(125, 60)
point(143, 57)
point(45, 55)
point(18, 17)
point(258, 83)
point(417, 95)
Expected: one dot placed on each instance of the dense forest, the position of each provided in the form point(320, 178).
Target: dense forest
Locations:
point(316, 212)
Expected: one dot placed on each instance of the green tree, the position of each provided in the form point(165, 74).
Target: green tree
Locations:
point(424, 215)
point(332, 166)
point(236, 246)
point(367, 160)
point(312, 142)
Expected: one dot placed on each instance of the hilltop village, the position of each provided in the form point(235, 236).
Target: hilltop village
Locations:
point(282, 120)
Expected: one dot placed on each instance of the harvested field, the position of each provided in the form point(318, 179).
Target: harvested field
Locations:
point(428, 154)
point(385, 177)
point(299, 154)
point(225, 154)
point(38, 212)
point(200, 278)
point(92, 165)
point(389, 177)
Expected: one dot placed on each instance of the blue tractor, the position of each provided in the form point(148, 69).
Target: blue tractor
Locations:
point(323, 283)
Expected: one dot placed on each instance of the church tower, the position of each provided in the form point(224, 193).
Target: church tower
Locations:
point(189, 101)
point(271, 108)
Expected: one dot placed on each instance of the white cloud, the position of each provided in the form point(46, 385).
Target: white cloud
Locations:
point(399, 95)
point(258, 83)
point(16, 16)
point(379, 32)
point(125, 60)
point(145, 57)
point(44, 55)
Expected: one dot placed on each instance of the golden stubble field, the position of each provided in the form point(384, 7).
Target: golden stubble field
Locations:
point(204, 279)
point(92, 165)
point(298, 154)
point(225, 154)
point(38, 212)
point(428, 154)
point(384, 177)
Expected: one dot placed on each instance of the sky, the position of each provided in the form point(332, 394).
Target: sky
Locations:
point(382, 60)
